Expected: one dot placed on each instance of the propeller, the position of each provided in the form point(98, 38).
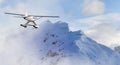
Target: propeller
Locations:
point(26, 14)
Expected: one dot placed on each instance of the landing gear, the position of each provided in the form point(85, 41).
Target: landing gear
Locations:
point(35, 26)
point(23, 25)
point(27, 24)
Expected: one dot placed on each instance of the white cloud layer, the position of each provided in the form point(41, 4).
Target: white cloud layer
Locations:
point(93, 7)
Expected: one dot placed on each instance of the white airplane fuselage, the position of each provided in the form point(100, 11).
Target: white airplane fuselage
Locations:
point(29, 18)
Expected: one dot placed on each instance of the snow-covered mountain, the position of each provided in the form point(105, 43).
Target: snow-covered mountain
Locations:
point(54, 44)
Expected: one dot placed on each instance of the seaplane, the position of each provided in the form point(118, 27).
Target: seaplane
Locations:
point(30, 18)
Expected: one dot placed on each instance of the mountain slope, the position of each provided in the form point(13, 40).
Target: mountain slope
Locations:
point(54, 44)
point(117, 49)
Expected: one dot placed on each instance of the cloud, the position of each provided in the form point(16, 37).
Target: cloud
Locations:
point(105, 33)
point(93, 7)
point(104, 29)
point(106, 18)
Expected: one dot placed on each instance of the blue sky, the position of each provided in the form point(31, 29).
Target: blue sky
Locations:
point(112, 6)
point(90, 16)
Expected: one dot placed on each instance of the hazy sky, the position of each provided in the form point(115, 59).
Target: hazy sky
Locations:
point(99, 19)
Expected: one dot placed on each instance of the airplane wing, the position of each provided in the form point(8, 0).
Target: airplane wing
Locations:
point(32, 15)
point(46, 16)
point(14, 14)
